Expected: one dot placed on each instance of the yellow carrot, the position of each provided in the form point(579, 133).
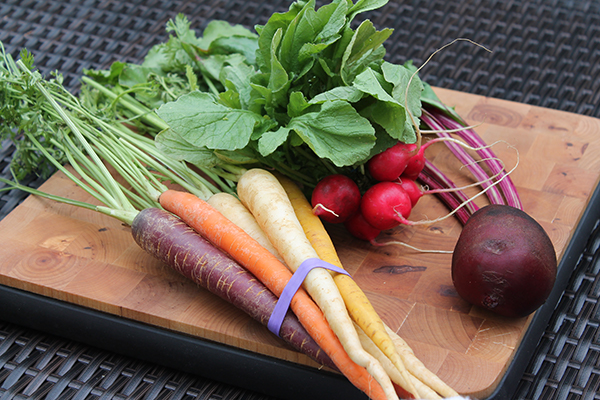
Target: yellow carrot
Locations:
point(425, 392)
point(418, 369)
point(266, 199)
point(358, 305)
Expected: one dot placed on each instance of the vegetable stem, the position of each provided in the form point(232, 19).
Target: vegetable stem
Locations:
point(140, 110)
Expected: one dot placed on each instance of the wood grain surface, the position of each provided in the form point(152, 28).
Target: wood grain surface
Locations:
point(88, 259)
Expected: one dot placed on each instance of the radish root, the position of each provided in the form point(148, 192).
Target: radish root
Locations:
point(321, 206)
point(463, 204)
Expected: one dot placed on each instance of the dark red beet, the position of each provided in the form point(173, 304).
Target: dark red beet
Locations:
point(504, 261)
point(335, 198)
point(173, 242)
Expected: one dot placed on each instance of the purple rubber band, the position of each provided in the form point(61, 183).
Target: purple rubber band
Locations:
point(283, 304)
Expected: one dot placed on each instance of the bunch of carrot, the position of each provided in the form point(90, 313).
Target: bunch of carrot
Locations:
point(331, 306)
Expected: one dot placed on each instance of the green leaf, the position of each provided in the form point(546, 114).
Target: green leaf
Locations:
point(191, 77)
point(364, 48)
point(309, 33)
point(297, 104)
point(272, 88)
point(403, 78)
point(182, 28)
point(230, 98)
point(388, 112)
point(350, 94)
point(276, 21)
point(364, 6)
point(279, 79)
point(171, 144)
point(245, 46)
point(392, 117)
point(299, 31)
point(107, 77)
point(370, 82)
point(336, 132)
point(200, 120)
point(270, 141)
point(132, 74)
point(218, 29)
point(334, 15)
point(237, 78)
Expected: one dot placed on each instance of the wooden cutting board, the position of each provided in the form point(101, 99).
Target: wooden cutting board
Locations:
point(87, 259)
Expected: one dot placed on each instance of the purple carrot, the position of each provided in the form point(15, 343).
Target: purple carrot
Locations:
point(173, 242)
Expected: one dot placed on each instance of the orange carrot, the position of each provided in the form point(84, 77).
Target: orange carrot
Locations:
point(230, 238)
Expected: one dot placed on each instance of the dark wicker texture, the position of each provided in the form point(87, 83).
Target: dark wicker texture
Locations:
point(544, 53)
point(34, 365)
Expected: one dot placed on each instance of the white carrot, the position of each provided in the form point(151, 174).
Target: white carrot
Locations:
point(233, 209)
point(263, 195)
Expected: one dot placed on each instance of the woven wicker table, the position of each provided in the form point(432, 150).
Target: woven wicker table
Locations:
point(546, 53)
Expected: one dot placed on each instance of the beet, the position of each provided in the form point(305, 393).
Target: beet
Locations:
point(504, 261)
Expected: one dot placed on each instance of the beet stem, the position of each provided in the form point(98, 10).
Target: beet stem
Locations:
point(471, 137)
point(493, 193)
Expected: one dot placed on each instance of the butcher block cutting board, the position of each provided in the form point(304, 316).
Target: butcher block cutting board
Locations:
point(90, 260)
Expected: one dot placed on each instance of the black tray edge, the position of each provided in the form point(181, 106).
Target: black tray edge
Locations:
point(207, 359)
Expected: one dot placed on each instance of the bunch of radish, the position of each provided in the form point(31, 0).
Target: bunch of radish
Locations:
point(386, 204)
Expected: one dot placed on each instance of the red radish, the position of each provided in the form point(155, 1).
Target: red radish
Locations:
point(335, 198)
point(358, 227)
point(413, 189)
point(388, 165)
point(385, 205)
point(415, 164)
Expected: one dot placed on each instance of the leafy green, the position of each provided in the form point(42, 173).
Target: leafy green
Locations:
point(315, 84)
point(202, 121)
point(306, 93)
point(26, 118)
point(336, 132)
